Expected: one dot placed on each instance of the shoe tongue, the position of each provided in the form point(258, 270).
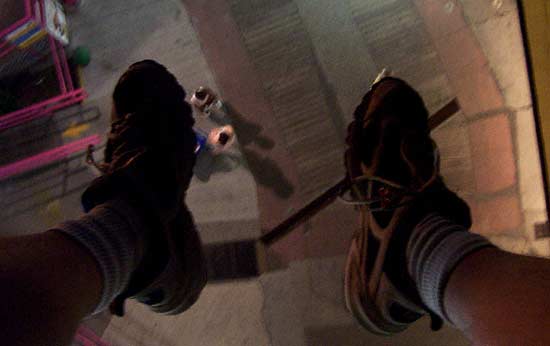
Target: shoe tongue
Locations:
point(395, 140)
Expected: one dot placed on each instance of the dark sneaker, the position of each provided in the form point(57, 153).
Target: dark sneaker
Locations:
point(393, 165)
point(149, 161)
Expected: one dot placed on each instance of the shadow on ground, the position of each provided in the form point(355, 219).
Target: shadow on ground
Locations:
point(42, 186)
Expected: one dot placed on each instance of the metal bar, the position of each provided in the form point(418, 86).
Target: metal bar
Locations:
point(47, 157)
point(65, 67)
point(28, 8)
point(14, 26)
point(56, 59)
point(47, 111)
point(34, 111)
point(444, 114)
point(50, 108)
point(18, 23)
point(42, 109)
point(311, 209)
point(54, 107)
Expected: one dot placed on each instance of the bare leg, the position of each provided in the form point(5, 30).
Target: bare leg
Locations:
point(48, 284)
point(498, 298)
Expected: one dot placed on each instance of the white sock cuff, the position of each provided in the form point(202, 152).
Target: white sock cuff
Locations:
point(434, 250)
point(109, 232)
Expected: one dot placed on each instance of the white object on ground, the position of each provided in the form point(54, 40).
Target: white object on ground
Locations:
point(214, 138)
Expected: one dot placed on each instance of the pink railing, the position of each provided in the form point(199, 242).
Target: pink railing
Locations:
point(47, 157)
point(18, 23)
point(16, 57)
point(67, 96)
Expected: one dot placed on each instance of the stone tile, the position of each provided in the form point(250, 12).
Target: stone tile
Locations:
point(480, 11)
point(501, 40)
point(321, 282)
point(531, 185)
point(278, 44)
point(459, 49)
point(352, 334)
point(329, 232)
point(435, 91)
point(326, 321)
point(461, 56)
point(455, 154)
point(496, 216)
point(283, 307)
point(476, 90)
point(291, 248)
point(228, 230)
point(492, 154)
point(227, 57)
point(441, 17)
point(228, 314)
point(530, 172)
point(416, 60)
point(515, 243)
point(343, 56)
point(227, 196)
point(497, 28)
point(541, 248)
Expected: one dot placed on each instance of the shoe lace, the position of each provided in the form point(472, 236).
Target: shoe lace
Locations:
point(375, 193)
point(124, 141)
point(90, 160)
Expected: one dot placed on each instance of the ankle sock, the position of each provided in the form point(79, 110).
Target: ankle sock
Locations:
point(434, 250)
point(110, 233)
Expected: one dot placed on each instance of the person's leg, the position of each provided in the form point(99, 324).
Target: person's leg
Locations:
point(494, 297)
point(48, 284)
point(413, 254)
point(137, 238)
point(499, 298)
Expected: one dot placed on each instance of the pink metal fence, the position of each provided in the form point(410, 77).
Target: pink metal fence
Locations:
point(14, 59)
point(27, 16)
point(26, 47)
point(47, 157)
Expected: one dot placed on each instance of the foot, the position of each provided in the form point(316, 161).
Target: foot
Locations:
point(149, 161)
point(393, 164)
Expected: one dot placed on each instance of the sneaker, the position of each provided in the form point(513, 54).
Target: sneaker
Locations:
point(149, 161)
point(392, 164)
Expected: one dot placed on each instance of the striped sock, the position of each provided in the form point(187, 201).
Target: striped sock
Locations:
point(109, 232)
point(435, 248)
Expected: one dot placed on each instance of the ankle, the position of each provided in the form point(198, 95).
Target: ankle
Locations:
point(434, 250)
point(111, 233)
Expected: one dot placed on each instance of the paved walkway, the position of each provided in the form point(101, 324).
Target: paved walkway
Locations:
point(295, 59)
point(292, 72)
point(297, 68)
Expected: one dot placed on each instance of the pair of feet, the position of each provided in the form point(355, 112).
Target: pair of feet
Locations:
point(392, 163)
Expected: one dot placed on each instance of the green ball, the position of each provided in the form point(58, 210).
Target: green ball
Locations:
point(81, 56)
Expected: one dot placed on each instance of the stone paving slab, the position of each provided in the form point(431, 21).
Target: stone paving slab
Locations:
point(280, 50)
point(266, 63)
